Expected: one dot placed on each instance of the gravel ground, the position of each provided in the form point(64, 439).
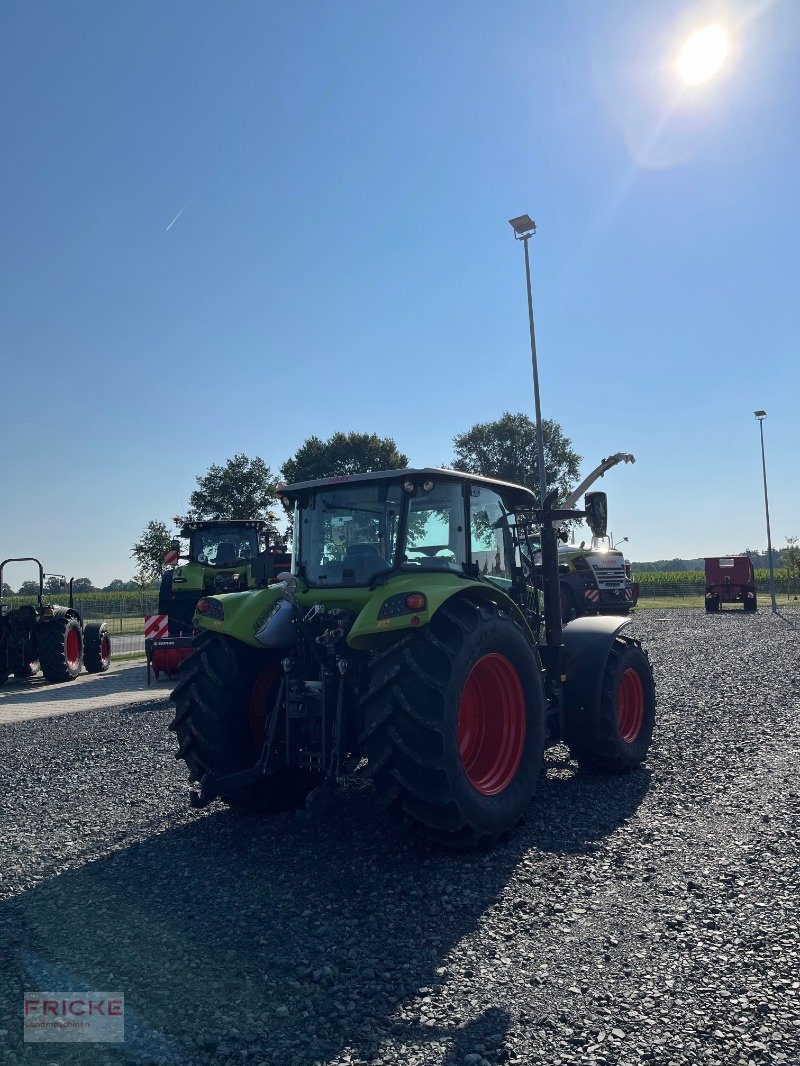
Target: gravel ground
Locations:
point(645, 919)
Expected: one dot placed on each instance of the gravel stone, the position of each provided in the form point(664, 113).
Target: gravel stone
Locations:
point(648, 919)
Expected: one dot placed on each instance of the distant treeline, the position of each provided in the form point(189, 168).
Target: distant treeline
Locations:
point(672, 566)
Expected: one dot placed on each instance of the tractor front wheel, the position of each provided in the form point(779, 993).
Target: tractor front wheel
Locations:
point(60, 647)
point(454, 724)
point(223, 703)
point(96, 648)
point(613, 734)
point(26, 668)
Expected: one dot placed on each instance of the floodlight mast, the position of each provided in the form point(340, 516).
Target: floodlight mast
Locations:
point(760, 416)
point(524, 228)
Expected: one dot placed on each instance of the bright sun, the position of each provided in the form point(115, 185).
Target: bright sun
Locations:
point(702, 55)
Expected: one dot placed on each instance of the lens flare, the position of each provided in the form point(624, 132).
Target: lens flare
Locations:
point(702, 55)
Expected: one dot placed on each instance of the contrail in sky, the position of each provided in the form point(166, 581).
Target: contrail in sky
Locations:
point(172, 223)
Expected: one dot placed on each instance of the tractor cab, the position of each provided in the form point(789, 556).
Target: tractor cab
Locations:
point(221, 544)
point(363, 531)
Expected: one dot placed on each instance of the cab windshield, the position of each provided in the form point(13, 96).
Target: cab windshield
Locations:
point(348, 534)
point(223, 546)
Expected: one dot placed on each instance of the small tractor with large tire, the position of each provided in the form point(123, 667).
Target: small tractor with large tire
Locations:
point(391, 643)
point(49, 637)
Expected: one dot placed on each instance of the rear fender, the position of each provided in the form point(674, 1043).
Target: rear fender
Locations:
point(587, 643)
point(374, 619)
point(242, 613)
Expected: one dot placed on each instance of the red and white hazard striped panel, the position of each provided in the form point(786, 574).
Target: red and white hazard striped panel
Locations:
point(171, 558)
point(593, 595)
point(156, 625)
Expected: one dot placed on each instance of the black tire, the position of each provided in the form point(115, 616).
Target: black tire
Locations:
point(212, 723)
point(614, 734)
point(415, 737)
point(751, 605)
point(569, 604)
point(26, 669)
point(60, 647)
point(712, 605)
point(96, 648)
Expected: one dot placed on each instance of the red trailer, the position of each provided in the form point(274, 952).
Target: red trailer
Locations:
point(730, 579)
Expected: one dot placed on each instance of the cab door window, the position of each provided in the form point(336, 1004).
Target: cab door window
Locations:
point(489, 538)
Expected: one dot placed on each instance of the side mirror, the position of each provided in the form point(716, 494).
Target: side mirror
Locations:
point(596, 504)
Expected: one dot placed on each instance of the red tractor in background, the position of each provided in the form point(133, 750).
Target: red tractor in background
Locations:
point(730, 579)
point(49, 637)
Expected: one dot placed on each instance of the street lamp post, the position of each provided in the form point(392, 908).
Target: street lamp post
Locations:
point(761, 415)
point(524, 228)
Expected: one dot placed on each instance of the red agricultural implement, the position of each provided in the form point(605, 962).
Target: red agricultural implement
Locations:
point(730, 579)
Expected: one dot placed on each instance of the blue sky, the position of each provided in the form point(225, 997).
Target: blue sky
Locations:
point(343, 260)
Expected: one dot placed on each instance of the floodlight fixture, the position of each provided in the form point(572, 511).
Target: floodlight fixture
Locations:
point(523, 227)
point(760, 414)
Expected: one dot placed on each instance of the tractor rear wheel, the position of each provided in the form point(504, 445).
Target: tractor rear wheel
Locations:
point(751, 605)
point(60, 647)
point(223, 702)
point(96, 648)
point(614, 734)
point(454, 724)
point(712, 604)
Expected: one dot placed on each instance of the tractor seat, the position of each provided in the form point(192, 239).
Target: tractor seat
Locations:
point(361, 561)
point(226, 556)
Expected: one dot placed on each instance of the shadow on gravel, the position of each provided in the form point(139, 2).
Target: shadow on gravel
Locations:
point(246, 940)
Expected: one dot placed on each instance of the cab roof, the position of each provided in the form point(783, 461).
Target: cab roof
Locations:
point(514, 495)
point(211, 523)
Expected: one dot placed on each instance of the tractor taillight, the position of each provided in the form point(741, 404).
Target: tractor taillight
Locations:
point(415, 601)
point(210, 608)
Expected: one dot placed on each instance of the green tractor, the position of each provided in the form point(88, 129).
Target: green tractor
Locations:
point(227, 555)
point(416, 632)
point(49, 637)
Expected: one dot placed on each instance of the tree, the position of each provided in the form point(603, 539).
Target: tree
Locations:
point(242, 488)
point(7, 589)
point(341, 455)
point(52, 584)
point(148, 551)
point(790, 557)
point(29, 588)
point(82, 584)
point(506, 450)
point(116, 586)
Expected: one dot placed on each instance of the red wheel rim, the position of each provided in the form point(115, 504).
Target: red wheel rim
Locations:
point(491, 724)
point(630, 705)
point(260, 702)
point(105, 649)
point(73, 648)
